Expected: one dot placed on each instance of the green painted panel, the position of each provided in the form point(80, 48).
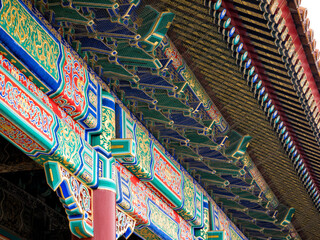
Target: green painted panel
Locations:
point(23, 28)
point(7, 236)
point(216, 235)
point(123, 148)
point(189, 209)
point(153, 28)
point(202, 233)
point(132, 56)
point(96, 3)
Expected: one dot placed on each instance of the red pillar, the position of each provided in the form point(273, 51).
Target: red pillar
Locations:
point(104, 215)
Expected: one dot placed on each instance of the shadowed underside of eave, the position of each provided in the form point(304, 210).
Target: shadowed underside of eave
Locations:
point(193, 32)
point(275, 76)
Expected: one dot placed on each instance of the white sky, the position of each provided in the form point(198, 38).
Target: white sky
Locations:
point(313, 7)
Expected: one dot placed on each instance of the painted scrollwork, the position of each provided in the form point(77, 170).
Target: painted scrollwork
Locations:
point(124, 224)
point(75, 196)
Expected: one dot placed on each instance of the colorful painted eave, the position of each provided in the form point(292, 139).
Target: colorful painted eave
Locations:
point(180, 125)
point(200, 46)
point(261, 93)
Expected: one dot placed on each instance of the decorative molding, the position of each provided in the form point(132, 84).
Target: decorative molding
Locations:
point(75, 197)
point(124, 224)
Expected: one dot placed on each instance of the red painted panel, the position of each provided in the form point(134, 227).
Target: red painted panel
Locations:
point(28, 108)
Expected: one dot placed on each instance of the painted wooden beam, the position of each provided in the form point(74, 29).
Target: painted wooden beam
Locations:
point(61, 73)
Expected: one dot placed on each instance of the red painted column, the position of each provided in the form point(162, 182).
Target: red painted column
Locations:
point(104, 215)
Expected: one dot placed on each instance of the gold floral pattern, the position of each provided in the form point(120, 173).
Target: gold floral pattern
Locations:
point(143, 168)
point(188, 211)
point(147, 234)
point(108, 128)
point(163, 221)
point(23, 28)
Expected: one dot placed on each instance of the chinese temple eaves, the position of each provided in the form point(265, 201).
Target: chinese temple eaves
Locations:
point(215, 67)
point(167, 119)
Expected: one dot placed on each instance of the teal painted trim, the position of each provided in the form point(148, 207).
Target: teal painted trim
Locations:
point(154, 27)
point(8, 235)
point(199, 220)
point(123, 148)
point(90, 132)
point(106, 173)
point(51, 170)
point(216, 235)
